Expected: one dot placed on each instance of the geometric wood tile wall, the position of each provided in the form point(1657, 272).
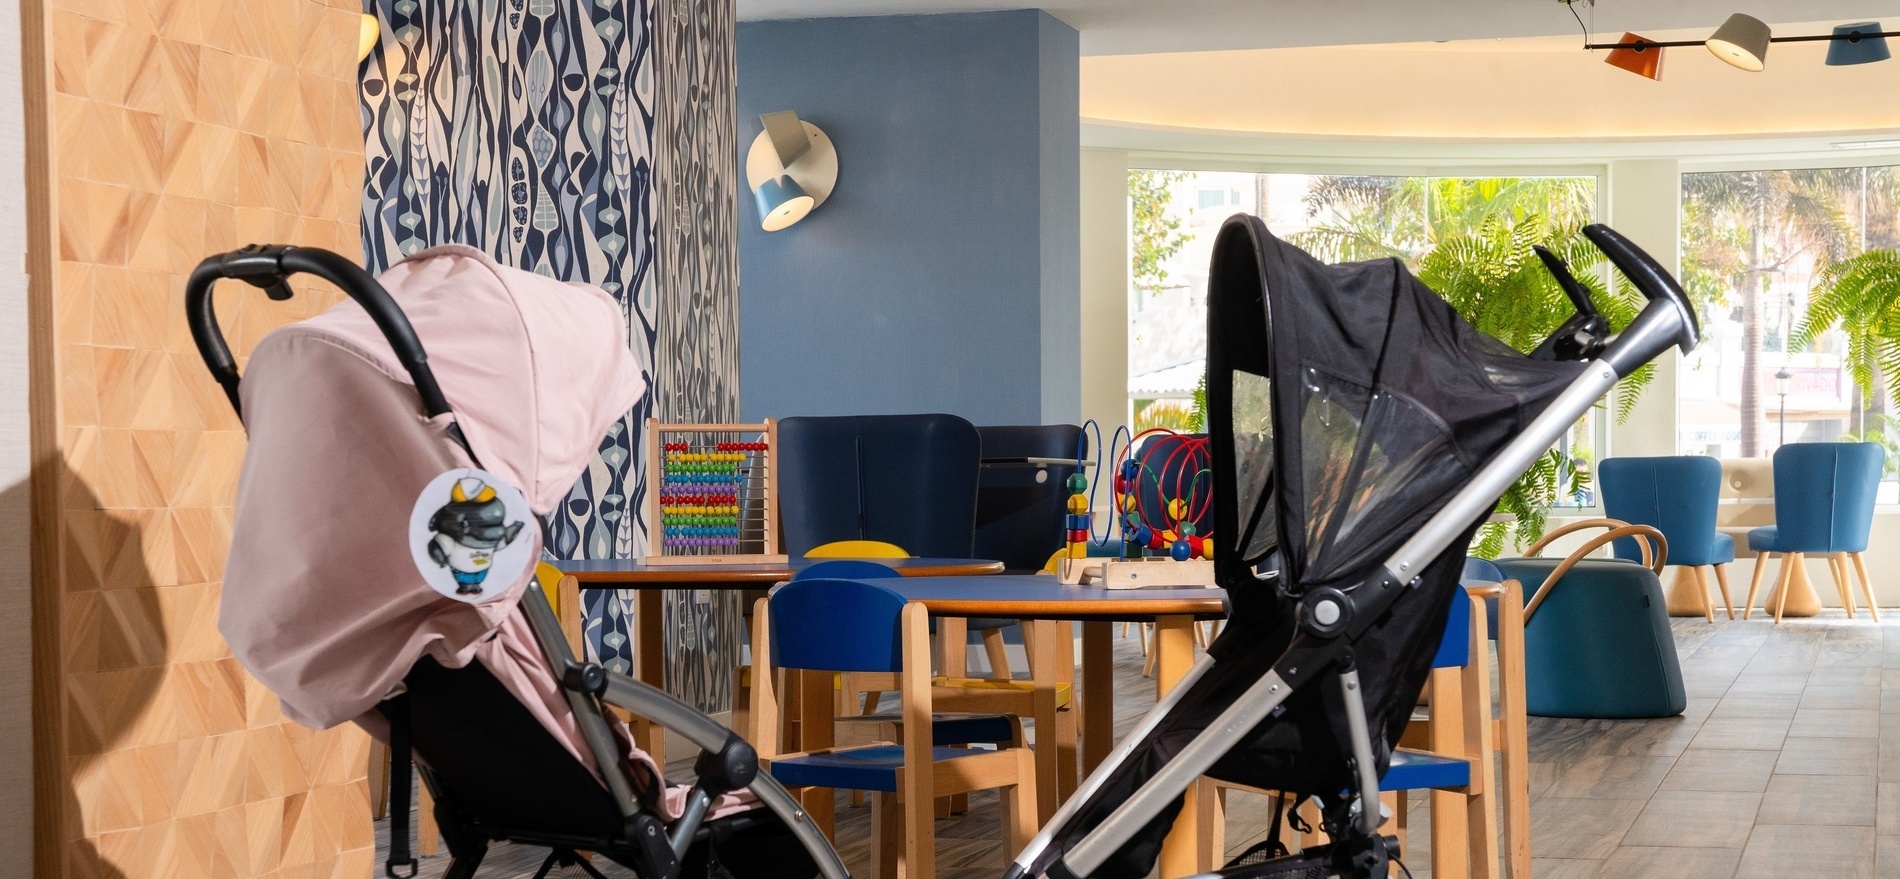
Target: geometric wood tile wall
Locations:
point(160, 131)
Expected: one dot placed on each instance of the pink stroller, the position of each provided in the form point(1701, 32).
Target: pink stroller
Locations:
point(381, 565)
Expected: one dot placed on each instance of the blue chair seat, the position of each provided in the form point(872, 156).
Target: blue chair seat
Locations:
point(1417, 770)
point(872, 767)
point(954, 729)
point(1765, 539)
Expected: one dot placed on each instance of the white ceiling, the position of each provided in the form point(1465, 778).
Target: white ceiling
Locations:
point(1117, 27)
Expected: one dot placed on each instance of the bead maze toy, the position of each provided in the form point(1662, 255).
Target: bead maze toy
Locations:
point(712, 494)
point(1157, 504)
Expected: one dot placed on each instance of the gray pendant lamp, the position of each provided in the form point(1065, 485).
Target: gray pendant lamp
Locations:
point(1742, 41)
point(1857, 44)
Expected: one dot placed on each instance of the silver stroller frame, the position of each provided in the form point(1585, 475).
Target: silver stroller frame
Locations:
point(1330, 619)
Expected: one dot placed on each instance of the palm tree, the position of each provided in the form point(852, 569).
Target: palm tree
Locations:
point(1749, 225)
point(1860, 295)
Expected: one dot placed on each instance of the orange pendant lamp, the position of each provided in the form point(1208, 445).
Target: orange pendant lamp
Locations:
point(1645, 59)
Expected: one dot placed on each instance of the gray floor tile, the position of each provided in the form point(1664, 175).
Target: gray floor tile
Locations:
point(1636, 862)
point(1819, 695)
point(1721, 770)
point(1755, 705)
point(1781, 852)
point(1563, 868)
point(1746, 733)
point(1820, 756)
point(1835, 723)
point(1578, 828)
point(1695, 819)
point(1610, 778)
point(1819, 799)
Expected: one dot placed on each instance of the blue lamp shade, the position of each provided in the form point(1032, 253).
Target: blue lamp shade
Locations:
point(782, 202)
point(1852, 44)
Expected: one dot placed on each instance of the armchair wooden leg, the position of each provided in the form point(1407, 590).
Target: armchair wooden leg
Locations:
point(1516, 796)
point(1866, 589)
point(887, 835)
point(378, 780)
point(1721, 580)
point(953, 647)
point(1019, 803)
point(1784, 581)
point(1702, 593)
point(1837, 571)
point(1754, 584)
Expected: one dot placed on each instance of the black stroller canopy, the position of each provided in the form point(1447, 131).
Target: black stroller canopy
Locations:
point(1387, 402)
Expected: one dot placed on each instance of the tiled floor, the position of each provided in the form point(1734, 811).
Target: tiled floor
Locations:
point(1786, 763)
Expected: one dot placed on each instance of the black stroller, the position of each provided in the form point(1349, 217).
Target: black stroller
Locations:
point(1361, 432)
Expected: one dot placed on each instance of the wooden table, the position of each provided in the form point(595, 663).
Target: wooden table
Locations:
point(1040, 600)
point(649, 581)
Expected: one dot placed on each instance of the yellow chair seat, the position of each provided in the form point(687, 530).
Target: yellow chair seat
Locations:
point(1062, 690)
point(857, 549)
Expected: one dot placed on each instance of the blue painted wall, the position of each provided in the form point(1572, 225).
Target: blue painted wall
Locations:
point(942, 275)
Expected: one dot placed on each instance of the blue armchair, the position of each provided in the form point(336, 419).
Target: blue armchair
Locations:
point(1677, 496)
point(1824, 505)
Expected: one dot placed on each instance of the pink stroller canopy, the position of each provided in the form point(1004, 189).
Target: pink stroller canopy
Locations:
point(324, 601)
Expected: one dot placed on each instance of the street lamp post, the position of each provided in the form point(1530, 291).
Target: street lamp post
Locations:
point(1782, 379)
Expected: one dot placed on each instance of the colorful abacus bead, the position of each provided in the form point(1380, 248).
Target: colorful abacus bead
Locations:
point(1078, 503)
point(1181, 551)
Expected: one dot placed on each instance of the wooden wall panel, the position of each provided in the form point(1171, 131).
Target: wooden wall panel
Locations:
point(160, 131)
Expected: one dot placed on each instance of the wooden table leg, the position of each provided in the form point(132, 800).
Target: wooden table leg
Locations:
point(1174, 648)
point(649, 663)
point(1046, 655)
point(1066, 721)
point(1097, 694)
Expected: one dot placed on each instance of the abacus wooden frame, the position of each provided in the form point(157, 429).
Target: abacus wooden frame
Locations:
point(656, 444)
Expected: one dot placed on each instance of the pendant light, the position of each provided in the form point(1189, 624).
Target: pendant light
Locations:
point(1857, 44)
point(1642, 59)
point(1742, 41)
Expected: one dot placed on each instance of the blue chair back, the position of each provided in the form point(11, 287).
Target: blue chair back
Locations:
point(836, 625)
point(1676, 495)
point(1824, 495)
point(1169, 470)
point(845, 569)
point(1019, 519)
point(909, 480)
point(1454, 649)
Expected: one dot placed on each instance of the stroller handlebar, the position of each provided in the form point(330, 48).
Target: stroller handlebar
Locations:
point(268, 266)
point(1668, 320)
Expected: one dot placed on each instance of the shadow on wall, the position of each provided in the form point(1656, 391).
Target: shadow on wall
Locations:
point(116, 648)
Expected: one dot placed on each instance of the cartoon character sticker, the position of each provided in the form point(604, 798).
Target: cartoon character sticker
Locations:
point(466, 534)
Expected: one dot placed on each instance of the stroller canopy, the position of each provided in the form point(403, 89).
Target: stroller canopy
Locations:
point(323, 600)
point(1348, 403)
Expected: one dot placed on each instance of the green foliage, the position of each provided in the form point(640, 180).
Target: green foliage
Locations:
point(1860, 295)
point(1171, 414)
point(1470, 240)
point(1158, 236)
point(1197, 417)
point(1884, 432)
point(1526, 504)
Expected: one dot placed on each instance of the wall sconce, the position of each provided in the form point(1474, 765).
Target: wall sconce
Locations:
point(367, 35)
point(791, 167)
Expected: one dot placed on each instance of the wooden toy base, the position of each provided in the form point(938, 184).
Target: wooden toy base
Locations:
point(1135, 573)
point(755, 559)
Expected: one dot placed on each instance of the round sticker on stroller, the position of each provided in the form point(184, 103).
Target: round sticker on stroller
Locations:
point(466, 535)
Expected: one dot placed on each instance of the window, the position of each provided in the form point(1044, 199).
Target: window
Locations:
point(1756, 252)
point(1339, 218)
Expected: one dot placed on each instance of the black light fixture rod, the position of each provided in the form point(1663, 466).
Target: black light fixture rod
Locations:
point(1641, 45)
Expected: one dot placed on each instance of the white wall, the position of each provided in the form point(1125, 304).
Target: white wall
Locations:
point(16, 653)
point(1105, 288)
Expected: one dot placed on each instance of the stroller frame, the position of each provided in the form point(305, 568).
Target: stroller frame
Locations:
point(1331, 620)
point(726, 762)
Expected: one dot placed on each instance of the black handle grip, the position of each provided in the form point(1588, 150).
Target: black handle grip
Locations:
point(268, 266)
point(1654, 281)
point(1574, 289)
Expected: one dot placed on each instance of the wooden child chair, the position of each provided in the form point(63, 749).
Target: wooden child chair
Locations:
point(828, 626)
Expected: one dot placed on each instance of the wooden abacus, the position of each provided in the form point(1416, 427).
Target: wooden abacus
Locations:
point(712, 494)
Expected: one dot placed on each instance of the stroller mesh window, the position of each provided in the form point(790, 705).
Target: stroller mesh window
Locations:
point(1253, 463)
point(1410, 450)
point(1332, 411)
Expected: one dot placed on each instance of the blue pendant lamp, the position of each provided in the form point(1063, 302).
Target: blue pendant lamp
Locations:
point(1857, 44)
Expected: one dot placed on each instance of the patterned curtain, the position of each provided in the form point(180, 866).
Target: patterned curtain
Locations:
point(525, 127)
